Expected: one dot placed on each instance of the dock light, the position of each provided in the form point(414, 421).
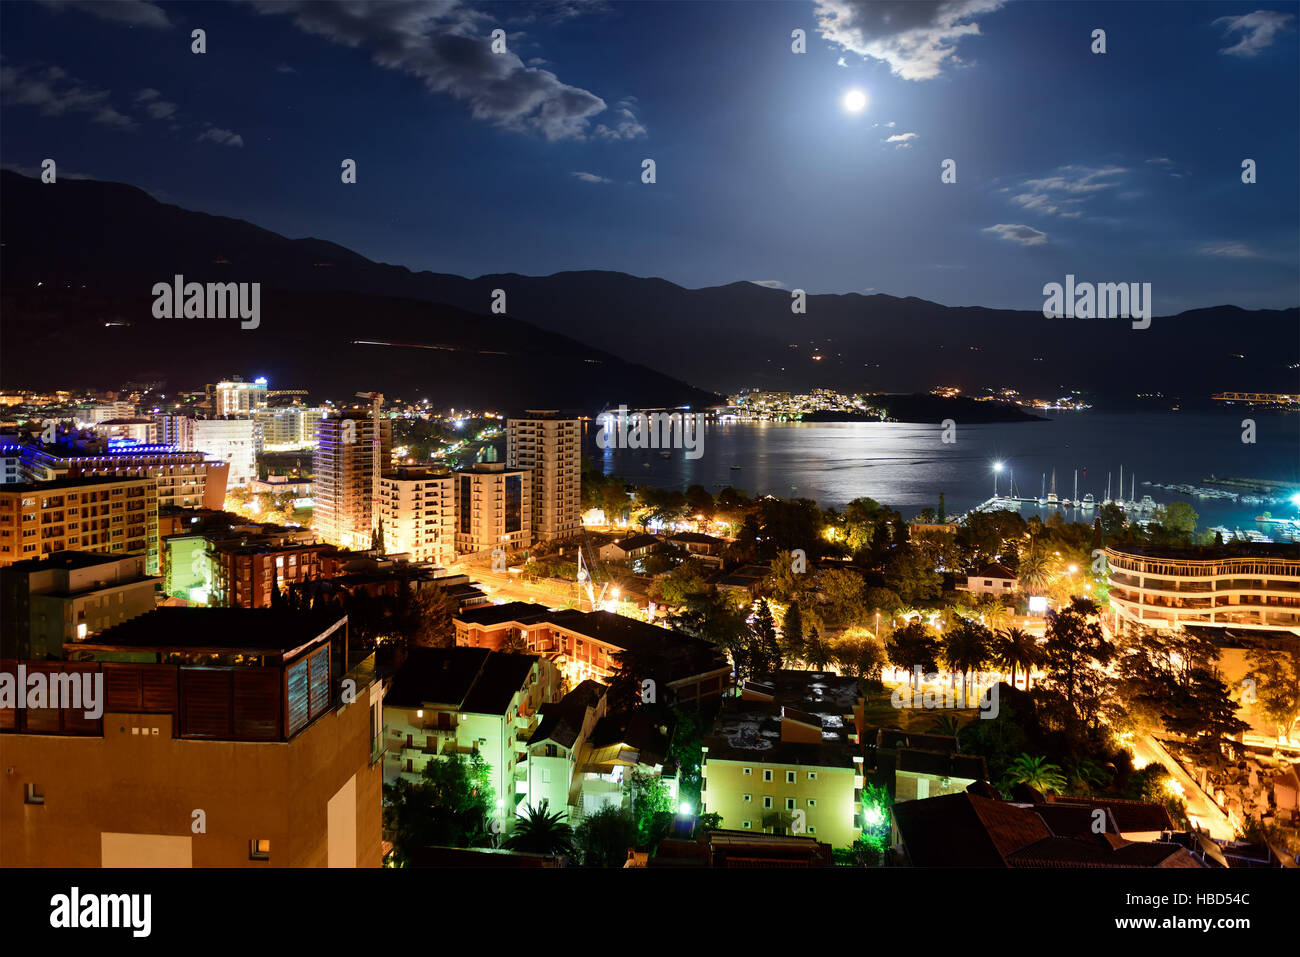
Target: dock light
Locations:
point(685, 809)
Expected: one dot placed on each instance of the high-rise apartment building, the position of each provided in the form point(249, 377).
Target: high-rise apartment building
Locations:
point(418, 508)
point(236, 397)
point(116, 515)
point(493, 508)
point(550, 447)
point(229, 439)
point(288, 427)
point(352, 450)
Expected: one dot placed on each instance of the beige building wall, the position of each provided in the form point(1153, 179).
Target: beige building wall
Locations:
point(829, 797)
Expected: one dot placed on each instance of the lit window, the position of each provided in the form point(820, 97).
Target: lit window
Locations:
point(259, 849)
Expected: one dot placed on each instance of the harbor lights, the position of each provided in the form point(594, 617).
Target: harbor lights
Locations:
point(997, 467)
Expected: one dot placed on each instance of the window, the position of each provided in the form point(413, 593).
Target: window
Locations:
point(745, 825)
point(789, 804)
point(812, 802)
point(812, 775)
point(747, 770)
point(259, 849)
point(789, 777)
point(812, 830)
point(767, 801)
point(32, 796)
point(747, 798)
point(767, 774)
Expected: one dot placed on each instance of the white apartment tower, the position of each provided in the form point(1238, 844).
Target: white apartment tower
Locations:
point(418, 508)
point(493, 508)
point(550, 447)
point(228, 439)
point(236, 397)
point(345, 473)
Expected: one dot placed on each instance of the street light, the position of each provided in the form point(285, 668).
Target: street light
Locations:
point(997, 467)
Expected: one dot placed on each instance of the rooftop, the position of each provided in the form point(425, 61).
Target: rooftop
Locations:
point(473, 680)
point(1206, 553)
point(255, 630)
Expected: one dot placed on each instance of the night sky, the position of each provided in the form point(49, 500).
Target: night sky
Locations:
point(1117, 167)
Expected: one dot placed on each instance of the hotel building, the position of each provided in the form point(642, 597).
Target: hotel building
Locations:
point(236, 397)
point(551, 448)
point(418, 508)
point(346, 465)
point(230, 439)
point(183, 479)
point(493, 509)
point(1241, 586)
point(115, 515)
point(228, 738)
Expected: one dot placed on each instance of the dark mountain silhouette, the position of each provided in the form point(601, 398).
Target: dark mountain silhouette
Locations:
point(118, 241)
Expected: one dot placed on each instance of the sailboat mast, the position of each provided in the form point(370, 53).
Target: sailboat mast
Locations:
point(1076, 486)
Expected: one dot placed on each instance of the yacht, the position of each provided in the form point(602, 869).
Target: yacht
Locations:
point(1051, 496)
point(1088, 503)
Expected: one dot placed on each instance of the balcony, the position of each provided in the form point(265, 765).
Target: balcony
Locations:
point(378, 746)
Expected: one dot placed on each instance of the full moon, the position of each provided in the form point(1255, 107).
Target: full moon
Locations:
point(855, 101)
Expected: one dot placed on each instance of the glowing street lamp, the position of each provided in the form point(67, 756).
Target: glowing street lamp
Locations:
point(997, 467)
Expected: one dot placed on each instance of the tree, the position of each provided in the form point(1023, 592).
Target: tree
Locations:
point(1076, 657)
point(450, 806)
point(912, 578)
point(967, 647)
point(860, 654)
point(1034, 571)
point(816, 651)
point(651, 805)
point(1037, 773)
point(913, 645)
point(1179, 520)
point(845, 594)
point(792, 632)
point(540, 832)
point(603, 838)
point(764, 652)
point(1276, 673)
point(1111, 517)
point(1016, 649)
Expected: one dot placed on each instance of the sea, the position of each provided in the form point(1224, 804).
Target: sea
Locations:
point(907, 466)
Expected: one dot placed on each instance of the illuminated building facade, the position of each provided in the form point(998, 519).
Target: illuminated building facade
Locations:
point(114, 515)
point(493, 508)
point(418, 508)
point(349, 456)
point(549, 446)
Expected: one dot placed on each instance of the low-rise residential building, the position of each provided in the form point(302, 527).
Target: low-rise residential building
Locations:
point(251, 723)
point(992, 579)
point(461, 701)
point(69, 597)
point(786, 759)
point(634, 546)
point(914, 766)
point(244, 575)
point(589, 645)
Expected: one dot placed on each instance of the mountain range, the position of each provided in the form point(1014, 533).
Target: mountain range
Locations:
point(79, 260)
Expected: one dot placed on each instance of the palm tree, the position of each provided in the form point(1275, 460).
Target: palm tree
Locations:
point(967, 649)
point(1034, 570)
point(1036, 773)
point(947, 725)
point(1015, 649)
point(542, 833)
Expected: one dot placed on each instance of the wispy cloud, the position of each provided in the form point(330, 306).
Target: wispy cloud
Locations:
point(150, 100)
point(589, 177)
point(216, 134)
point(443, 43)
point(768, 283)
point(1257, 31)
point(902, 140)
point(138, 13)
point(1229, 250)
point(1019, 233)
point(53, 92)
point(1064, 193)
point(916, 39)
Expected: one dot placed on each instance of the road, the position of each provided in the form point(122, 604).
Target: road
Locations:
point(1200, 809)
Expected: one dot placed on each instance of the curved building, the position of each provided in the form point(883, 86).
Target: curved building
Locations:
point(1241, 585)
